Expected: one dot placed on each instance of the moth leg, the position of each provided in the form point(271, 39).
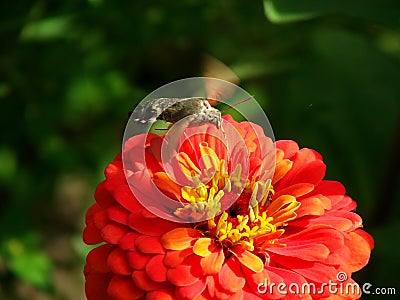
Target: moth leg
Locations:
point(204, 118)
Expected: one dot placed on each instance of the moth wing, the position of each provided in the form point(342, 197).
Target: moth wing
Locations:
point(216, 91)
point(150, 110)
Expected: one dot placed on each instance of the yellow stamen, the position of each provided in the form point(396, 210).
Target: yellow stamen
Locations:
point(258, 227)
point(187, 165)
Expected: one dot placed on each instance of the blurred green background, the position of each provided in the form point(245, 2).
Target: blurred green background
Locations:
point(327, 74)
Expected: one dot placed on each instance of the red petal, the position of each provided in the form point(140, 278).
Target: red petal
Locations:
point(255, 166)
point(91, 235)
point(231, 277)
point(113, 232)
point(215, 290)
point(306, 252)
point(118, 214)
point(311, 206)
point(287, 275)
point(113, 169)
point(103, 197)
point(296, 190)
point(96, 286)
point(282, 168)
point(237, 296)
point(314, 271)
point(262, 281)
point(122, 288)
point(367, 237)
point(149, 244)
point(335, 222)
point(249, 295)
point(343, 203)
point(156, 269)
point(161, 294)
point(138, 260)
point(248, 259)
point(136, 143)
point(143, 281)
point(115, 180)
point(312, 172)
point(212, 263)
point(339, 257)
point(292, 281)
point(97, 258)
point(149, 195)
point(301, 162)
point(180, 238)
point(167, 185)
point(187, 273)
point(278, 203)
point(149, 226)
point(355, 219)
point(328, 187)
point(269, 236)
point(191, 291)
point(331, 238)
point(95, 208)
point(118, 262)
point(125, 197)
point(205, 295)
point(100, 219)
point(289, 147)
point(149, 215)
point(127, 242)
point(176, 257)
point(360, 249)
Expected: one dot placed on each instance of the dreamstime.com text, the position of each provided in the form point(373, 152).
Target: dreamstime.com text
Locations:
point(332, 287)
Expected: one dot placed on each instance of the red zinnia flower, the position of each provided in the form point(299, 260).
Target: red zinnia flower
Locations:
point(293, 230)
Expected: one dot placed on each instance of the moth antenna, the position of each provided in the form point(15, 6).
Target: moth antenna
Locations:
point(237, 103)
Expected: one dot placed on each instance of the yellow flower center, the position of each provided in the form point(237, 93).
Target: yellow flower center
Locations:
point(255, 220)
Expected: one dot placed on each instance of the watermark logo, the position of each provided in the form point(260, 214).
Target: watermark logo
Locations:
point(178, 114)
point(340, 286)
point(369, 289)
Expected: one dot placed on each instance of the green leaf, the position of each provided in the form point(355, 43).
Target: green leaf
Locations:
point(8, 163)
point(34, 268)
point(45, 29)
point(29, 263)
point(285, 11)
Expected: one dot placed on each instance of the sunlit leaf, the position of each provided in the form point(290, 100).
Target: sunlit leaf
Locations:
point(45, 29)
point(284, 11)
point(8, 163)
point(28, 263)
